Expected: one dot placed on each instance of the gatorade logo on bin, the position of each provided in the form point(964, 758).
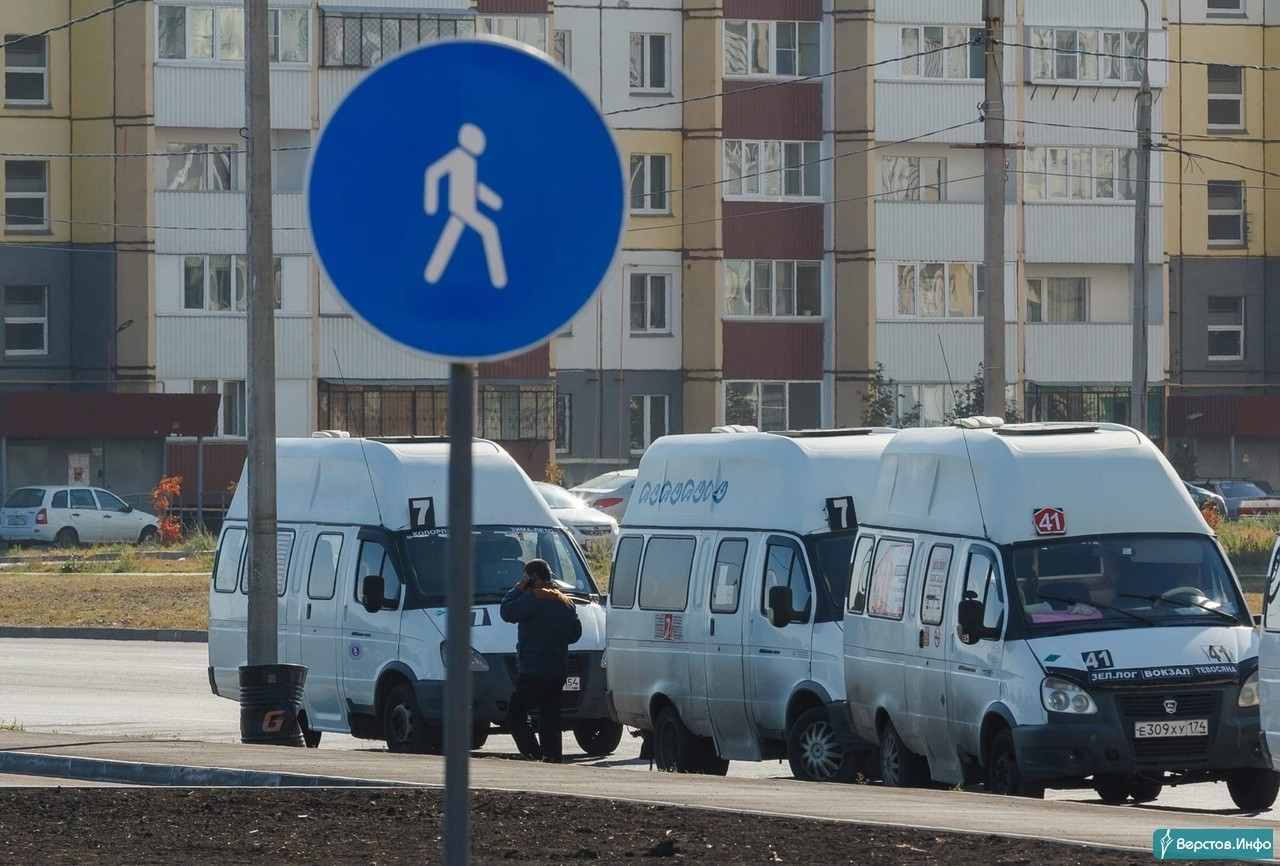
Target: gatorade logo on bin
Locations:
point(273, 722)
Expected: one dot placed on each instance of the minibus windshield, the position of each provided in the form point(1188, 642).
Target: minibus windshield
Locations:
point(1105, 582)
point(500, 556)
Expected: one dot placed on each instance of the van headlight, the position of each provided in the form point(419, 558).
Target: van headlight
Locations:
point(478, 662)
point(1249, 692)
point(1063, 696)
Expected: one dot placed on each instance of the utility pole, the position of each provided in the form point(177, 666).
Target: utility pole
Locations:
point(993, 371)
point(1141, 239)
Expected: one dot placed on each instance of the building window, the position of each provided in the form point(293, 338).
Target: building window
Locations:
point(1226, 96)
point(26, 70)
point(1224, 6)
point(649, 63)
point(529, 29)
point(219, 283)
point(772, 169)
point(290, 36)
point(648, 299)
point(1081, 173)
point(26, 196)
point(234, 420)
point(195, 167)
point(649, 183)
point(201, 33)
point(767, 287)
point(564, 417)
point(940, 290)
point(773, 405)
point(913, 178)
point(1093, 56)
point(562, 48)
point(1226, 328)
point(1226, 212)
point(26, 320)
point(774, 49)
point(516, 412)
point(1057, 299)
point(923, 55)
point(362, 39)
point(649, 420)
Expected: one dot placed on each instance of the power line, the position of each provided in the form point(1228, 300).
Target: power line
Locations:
point(66, 24)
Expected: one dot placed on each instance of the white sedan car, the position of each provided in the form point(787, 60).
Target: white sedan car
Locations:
point(584, 523)
point(69, 516)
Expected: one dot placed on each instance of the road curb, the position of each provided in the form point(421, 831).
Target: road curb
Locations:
point(129, 773)
point(162, 634)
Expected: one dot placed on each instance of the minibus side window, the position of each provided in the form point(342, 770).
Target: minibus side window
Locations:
point(374, 560)
point(726, 579)
point(626, 568)
point(284, 552)
point(860, 574)
point(887, 594)
point(226, 571)
point(665, 573)
point(935, 585)
point(982, 578)
point(1271, 601)
point(784, 566)
point(324, 566)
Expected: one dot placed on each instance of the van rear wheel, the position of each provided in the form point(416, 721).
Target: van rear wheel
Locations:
point(899, 766)
point(814, 752)
point(403, 726)
point(597, 737)
point(675, 748)
point(1253, 788)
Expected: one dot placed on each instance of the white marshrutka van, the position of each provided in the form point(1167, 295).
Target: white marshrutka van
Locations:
point(1269, 660)
point(725, 602)
point(363, 577)
point(1042, 605)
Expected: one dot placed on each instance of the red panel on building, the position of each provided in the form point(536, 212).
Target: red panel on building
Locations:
point(222, 464)
point(772, 230)
point(511, 7)
point(533, 364)
point(786, 112)
point(114, 416)
point(773, 10)
point(773, 350)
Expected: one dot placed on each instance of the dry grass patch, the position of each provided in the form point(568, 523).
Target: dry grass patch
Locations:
point(147, 601)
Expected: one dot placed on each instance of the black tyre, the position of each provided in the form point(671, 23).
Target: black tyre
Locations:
point(899, 766)
point(402, 725)
point(1112, 788)
point(148, 535)
point(1144, 790)
point(479, 734)
point(1003, 775)
point(1253, 788)
point(712, 764)
point(597, 737)
point(310, 738)
point(675, 748)
point(814, 752)
point(66, 537)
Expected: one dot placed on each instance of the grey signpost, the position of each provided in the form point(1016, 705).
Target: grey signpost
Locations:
point(450, 243)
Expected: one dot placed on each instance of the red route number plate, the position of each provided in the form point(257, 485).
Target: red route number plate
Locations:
point(1049, 521)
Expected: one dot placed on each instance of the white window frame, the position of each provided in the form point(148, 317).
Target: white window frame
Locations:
point(237, 291)
point(223, 48)
point(654, 196)
point(12, 69)
point(743, 297)
point(1106, 57)
point(1236, 214)
point(562, 48)
point(532, 30)
point(26, 320)
point(1224, 98)
point(777, 165)
point(956, 63)
point(891, 168)
point(1060, 174)
point(233, 413)
point(564, 423)
point(759, 386)
point(200, 161)
point(654, 419)
point(1236, 327)
point(13, 223)
point(803, 64)
point(949, 272)
point(641, 57)
point(275, 23)
point(653, 302)
point(1224, 7)
point(1045, 285)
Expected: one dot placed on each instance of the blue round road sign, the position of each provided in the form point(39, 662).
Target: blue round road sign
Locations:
point(466, 198)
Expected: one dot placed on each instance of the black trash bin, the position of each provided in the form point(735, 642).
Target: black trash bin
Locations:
point(270, 700)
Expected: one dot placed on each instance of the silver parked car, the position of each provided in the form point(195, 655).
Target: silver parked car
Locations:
point(584, 523)
point(609, 492)
point(68, 516)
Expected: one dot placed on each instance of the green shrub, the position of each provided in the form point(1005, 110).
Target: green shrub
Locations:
point(1248, 543)
point(126, 560)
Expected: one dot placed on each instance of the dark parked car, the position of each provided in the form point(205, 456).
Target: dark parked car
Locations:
point(1244, 498)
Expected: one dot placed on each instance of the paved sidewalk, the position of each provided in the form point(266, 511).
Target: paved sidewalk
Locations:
point(185, 763)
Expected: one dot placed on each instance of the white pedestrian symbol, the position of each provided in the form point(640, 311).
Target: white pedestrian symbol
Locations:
point(465, 190)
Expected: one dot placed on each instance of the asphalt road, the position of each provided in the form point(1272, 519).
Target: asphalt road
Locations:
point(115, 688)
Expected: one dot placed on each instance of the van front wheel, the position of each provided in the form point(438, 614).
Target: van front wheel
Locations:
point(814, 752)
point(1003, 774)
point(403, 726)
point(597, 737)
point(1253, 788)
point(675, 748)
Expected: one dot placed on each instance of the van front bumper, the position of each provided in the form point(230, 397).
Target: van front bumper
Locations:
point(1078, 748)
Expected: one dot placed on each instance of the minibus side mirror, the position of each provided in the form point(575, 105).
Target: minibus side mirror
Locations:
point(371, 592)
point(780, 611)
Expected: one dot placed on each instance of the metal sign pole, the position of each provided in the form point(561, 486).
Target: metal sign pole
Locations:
point(457, 687)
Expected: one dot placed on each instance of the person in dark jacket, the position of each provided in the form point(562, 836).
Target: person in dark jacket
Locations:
point(548, 624)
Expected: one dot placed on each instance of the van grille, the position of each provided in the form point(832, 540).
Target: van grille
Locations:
point(1150, 706)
